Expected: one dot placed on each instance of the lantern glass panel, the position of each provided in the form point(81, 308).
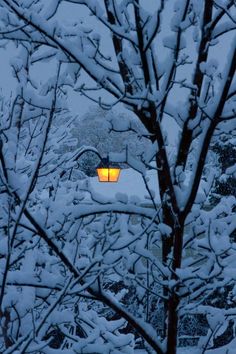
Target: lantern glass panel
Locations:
point(103, 174)
point(114, 174)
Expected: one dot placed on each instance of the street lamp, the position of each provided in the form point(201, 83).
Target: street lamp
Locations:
point(107, 171)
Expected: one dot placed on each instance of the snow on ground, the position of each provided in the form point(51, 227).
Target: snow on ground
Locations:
point(131, 183)
point(227, 349)
point(185, 350)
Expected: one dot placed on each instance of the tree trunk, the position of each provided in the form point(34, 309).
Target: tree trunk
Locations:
point(170, 211)
point(167, 245)
point(173, 302)
point(172, 332)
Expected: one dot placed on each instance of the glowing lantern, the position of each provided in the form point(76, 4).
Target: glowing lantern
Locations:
point(107, 172)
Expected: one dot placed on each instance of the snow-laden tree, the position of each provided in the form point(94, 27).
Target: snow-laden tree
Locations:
point(143, 55)
point(40, 299)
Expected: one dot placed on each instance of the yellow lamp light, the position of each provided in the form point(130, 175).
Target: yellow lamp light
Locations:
point(107, 172)
point(113, 174)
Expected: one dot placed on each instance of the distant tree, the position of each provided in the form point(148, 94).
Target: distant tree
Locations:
point(226, 183)
point(102, 129)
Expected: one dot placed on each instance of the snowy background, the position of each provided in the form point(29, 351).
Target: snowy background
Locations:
point(147, 264)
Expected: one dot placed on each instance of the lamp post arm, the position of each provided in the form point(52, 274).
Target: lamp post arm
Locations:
point(84, 149)
point(81, 151)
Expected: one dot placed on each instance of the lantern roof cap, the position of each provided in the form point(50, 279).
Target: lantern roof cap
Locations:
point(106, 163)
